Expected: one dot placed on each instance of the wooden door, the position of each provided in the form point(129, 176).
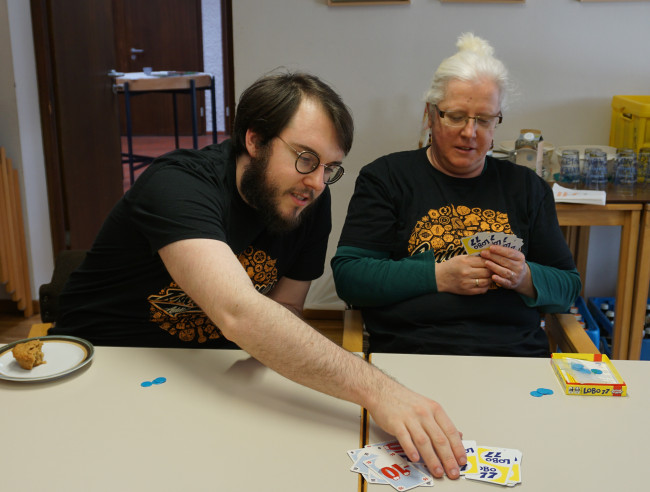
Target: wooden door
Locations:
point(165, 35)
point(74, 47)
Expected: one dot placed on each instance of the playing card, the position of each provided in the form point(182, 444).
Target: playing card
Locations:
point(483, 240)
point(359, 456)
point(386, 463)
point(494, 465)
point(472, 458)
point(395, 446)
point(398, 472)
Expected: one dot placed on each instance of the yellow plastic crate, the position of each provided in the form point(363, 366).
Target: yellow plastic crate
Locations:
point(630, 126)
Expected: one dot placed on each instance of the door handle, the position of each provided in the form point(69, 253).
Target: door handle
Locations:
point(136, 50)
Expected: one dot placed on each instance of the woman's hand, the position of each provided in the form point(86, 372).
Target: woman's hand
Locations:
point(508, 269)
point(464, 275)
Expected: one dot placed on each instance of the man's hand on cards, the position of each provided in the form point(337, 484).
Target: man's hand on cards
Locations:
point(387, 463)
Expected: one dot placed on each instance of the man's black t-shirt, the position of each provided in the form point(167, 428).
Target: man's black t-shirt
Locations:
point(122, 293)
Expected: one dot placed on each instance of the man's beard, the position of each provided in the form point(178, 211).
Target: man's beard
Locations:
point(264, 196)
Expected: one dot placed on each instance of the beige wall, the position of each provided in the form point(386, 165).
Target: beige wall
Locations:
point(568, 58)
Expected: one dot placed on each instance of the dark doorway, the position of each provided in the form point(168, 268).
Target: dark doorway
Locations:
point(165, 35)
point(74, 48)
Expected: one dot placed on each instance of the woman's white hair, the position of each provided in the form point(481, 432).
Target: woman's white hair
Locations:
point(473, 62)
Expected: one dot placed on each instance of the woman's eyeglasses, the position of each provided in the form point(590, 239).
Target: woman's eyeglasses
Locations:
point(458, 119)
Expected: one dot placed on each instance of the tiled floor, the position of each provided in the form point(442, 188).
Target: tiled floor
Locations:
point(155, 146)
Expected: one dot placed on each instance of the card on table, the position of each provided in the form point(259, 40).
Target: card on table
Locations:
point(386, 463)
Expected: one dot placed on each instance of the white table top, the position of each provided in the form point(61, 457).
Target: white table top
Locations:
point(576, 443)
point(222, 421)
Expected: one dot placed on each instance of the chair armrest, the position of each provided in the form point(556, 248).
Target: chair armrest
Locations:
point(39, 330)
point(352, 330)
point(564, 331)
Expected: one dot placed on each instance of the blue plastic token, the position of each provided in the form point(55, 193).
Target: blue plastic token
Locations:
point(146, 384)
point(159, 380)
point(536, 394)
point(596, 371)
point(545, 391)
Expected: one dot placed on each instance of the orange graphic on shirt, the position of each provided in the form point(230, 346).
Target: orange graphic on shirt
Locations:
point(442, 229)
point(176, 313)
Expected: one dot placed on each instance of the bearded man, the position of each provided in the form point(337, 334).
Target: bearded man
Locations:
point(217, 248)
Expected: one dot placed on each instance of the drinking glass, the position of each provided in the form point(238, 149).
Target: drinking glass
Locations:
point(596, 170)
point(570, 168)
point(625, 172)
point(643, 166)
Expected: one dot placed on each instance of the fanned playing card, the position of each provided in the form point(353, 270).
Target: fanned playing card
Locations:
point(483, 240)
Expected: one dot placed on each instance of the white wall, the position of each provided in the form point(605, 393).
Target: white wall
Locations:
point(213, 59)
point(568, 59)
point(20, 134)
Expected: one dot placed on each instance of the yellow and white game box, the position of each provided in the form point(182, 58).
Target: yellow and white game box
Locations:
point(588, 374)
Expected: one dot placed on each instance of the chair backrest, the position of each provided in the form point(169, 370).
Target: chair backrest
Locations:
point(48, 294)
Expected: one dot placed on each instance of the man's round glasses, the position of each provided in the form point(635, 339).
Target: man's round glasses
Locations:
point(458, 119)
point(307, 162)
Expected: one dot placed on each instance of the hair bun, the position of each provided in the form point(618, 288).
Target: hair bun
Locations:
point(468, 42)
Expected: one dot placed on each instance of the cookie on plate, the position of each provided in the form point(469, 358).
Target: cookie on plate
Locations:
point(29, 354)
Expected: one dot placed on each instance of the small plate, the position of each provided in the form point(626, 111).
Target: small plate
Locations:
point(63, 356)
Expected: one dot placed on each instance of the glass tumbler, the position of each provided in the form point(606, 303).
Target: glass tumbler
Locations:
point(570, 168)
point(625, 172)
point(643, 167)
point(596, 170)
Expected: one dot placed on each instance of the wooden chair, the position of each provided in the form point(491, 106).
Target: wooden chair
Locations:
point(48, 294)
point(563, 332)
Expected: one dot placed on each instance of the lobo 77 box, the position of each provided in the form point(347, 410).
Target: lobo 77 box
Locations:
point(588, 374)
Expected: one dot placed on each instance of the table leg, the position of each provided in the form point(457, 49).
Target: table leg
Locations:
point(625, 284)
point(129, 131)
point(175, 106)
point(641, 284)
point(195, 137)
point(213, 104)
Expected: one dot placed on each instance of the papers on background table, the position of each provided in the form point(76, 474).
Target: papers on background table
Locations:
point(588, 197)
point(386, 463)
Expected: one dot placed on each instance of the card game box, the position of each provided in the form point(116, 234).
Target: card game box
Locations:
point(588, 375)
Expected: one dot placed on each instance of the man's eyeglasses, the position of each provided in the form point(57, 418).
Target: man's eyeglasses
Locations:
point(307, 162)
point(458, 119)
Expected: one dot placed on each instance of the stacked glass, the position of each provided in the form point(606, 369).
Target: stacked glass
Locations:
point(570, 168)
point(625, 172)
point(595, 169)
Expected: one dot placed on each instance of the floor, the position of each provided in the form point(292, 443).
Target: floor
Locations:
point(14, 326)
point(155, 146)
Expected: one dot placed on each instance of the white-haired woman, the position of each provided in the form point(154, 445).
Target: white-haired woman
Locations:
point(400, 257)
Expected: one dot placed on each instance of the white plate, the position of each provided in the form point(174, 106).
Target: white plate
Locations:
point(63, 355)
point(610, 151)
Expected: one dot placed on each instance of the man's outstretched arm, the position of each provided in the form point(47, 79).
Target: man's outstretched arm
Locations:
point(211, 275)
